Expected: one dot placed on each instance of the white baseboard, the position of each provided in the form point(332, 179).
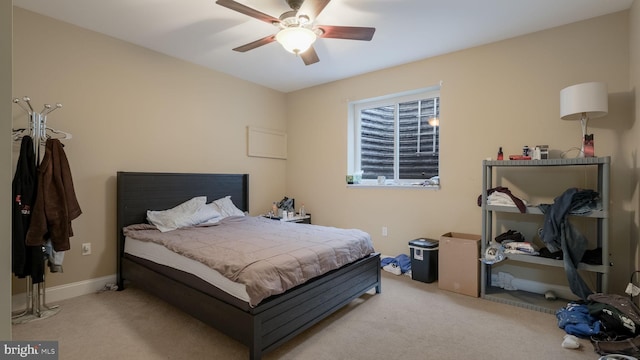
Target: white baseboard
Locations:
point(67, 291)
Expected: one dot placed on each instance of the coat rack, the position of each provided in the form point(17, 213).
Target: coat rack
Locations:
point(36, 306)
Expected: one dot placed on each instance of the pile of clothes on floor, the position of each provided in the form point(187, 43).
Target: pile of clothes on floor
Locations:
point(398, 265)
point(611, 322)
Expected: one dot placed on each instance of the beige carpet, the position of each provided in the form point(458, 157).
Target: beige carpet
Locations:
point(409, 320)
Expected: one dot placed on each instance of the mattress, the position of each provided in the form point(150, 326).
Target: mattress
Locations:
point(268, 257)
point(163, 256)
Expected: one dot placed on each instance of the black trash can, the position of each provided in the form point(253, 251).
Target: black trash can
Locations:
point(424, 259)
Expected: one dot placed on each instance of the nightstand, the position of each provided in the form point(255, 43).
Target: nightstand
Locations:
point(296, 219)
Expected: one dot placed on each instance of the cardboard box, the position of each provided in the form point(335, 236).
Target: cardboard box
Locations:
point(459, 264)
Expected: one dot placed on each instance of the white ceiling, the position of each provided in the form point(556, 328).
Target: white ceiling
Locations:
point(202, 32)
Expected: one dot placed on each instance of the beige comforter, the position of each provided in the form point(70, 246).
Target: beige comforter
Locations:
point(268, 256)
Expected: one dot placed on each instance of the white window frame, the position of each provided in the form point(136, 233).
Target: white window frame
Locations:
point(354, 138)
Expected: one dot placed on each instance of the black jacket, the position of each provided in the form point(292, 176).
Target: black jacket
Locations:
point(25, 260)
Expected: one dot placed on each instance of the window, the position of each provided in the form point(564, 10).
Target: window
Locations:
point(397, 137)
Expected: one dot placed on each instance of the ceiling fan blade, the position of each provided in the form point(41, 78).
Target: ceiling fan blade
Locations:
point(243, 9)
point(252, 45)
point(347, 32)
point(310, 56)
point(313, 8)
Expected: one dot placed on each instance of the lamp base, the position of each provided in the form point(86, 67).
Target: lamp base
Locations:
point(587, 149)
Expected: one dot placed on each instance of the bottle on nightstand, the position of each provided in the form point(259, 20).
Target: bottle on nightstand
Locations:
point(302, 212)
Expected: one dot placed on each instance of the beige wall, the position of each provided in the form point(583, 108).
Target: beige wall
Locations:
point(132, 109)
point(503, 94)
point(5, 165)
point(632, 160)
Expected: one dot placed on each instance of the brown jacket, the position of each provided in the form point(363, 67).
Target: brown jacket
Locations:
point(56, 204)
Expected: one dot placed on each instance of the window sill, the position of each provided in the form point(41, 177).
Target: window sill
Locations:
point(393, 186)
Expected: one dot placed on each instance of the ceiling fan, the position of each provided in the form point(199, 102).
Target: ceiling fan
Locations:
point(297, 32)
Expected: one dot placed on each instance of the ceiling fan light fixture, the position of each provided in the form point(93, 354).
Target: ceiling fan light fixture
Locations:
point(296, 40)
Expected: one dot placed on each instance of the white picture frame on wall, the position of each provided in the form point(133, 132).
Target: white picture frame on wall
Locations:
point(266, 143)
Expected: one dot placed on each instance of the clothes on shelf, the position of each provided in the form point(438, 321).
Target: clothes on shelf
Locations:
point(558, 233)
point(501, 195)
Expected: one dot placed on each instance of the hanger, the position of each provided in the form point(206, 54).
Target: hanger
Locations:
point(17, 134)
point(38, 128)
point(57, 134)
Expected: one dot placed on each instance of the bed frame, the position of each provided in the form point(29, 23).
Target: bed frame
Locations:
point(262, 328)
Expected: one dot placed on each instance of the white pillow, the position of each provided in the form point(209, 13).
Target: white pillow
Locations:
point(205, 213)
point(226, 207)
point(189, 213)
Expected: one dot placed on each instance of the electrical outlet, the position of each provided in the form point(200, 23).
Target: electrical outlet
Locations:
point(86, 249)
point(384, 231)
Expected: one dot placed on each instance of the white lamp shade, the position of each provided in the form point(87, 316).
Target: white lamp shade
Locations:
point(589, 98)
point(296, 39)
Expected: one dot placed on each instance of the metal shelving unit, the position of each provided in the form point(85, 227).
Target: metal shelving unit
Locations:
point(536, 301)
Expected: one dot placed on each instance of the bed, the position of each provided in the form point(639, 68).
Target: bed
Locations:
point(262, 327)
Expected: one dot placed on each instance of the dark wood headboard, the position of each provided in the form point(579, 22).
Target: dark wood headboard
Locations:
point(138, 192)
